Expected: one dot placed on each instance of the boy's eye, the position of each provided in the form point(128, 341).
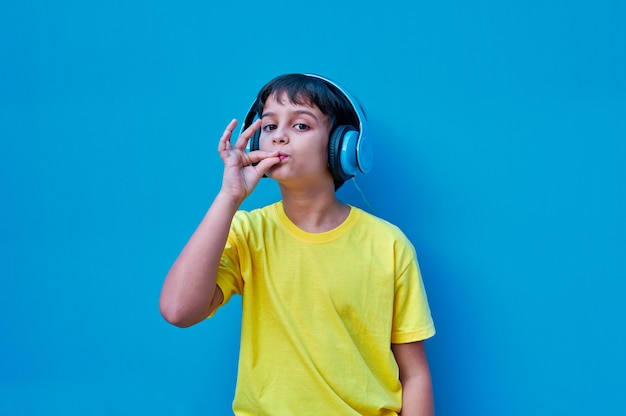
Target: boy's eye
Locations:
point(301, 126)
point(269, 127)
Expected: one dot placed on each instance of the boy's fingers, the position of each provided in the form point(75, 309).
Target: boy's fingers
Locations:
point(264, 165)
point(258, 156)
point(224, 143)
point(242, 141)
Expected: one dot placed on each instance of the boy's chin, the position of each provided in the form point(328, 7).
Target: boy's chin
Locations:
point(276, 176)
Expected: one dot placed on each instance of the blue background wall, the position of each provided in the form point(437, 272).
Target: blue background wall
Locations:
point(500, 152)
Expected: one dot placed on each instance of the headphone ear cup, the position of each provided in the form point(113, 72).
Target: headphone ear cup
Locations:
point(254, 141)
point(335, 143)
point(254, 145)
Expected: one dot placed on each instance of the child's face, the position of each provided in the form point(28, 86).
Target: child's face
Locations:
point(300, 134)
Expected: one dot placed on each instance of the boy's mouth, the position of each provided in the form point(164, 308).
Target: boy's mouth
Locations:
point(282, 156)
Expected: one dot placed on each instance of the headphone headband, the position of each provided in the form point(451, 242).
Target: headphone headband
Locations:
point(356, 106)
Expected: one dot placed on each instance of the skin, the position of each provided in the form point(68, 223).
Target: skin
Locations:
point(293, 151)
point(417, 392)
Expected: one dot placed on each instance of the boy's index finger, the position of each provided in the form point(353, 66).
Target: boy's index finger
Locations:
point(242, 140)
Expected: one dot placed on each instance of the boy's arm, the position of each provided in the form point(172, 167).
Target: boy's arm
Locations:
point(190, 292)
point(417, 392)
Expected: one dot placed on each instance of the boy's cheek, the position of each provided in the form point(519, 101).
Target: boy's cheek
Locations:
point(263, 142)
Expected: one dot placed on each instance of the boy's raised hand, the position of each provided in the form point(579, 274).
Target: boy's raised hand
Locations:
point(240, 176)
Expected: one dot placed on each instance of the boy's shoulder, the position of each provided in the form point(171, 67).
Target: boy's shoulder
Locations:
point(381, 227)
point(262, 214)
point(376, 221)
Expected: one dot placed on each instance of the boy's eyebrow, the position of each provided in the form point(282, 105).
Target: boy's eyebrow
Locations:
point(295, 111)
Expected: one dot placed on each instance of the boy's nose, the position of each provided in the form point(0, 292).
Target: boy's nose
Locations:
point(280, 137)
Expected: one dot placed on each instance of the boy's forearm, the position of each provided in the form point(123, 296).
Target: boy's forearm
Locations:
point(191, 282)
point(417, 396)
point(417, 391)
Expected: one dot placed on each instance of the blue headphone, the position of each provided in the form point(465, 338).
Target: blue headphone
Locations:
point(349, 147)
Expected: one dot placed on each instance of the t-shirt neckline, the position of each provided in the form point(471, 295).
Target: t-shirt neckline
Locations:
point(323, 237)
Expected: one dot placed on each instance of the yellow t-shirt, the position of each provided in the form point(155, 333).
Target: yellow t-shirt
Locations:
point(320, 312)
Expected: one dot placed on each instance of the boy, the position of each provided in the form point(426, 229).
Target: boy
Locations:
point(334, 309)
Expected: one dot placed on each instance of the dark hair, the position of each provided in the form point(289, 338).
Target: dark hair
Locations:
point(310, 90)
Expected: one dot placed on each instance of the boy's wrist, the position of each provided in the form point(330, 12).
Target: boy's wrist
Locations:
point(230, 200)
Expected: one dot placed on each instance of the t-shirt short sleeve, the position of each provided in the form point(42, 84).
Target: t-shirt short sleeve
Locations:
point(412, 320)
point(229, 278)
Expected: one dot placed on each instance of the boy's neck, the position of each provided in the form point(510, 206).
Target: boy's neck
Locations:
point(314, 212)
